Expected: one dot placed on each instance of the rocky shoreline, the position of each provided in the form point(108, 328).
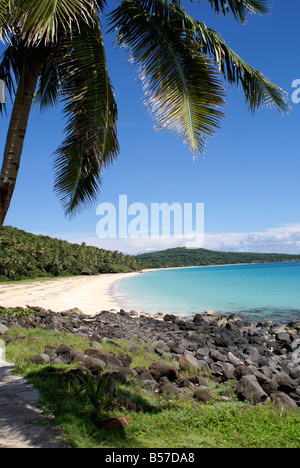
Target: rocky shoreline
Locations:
point(262, 359)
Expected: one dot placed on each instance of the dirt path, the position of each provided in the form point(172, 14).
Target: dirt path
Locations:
point(22, 424)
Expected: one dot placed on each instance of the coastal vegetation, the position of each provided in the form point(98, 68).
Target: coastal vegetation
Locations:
point(182, 257)
point(55, 54)
point(27, 256)
point(161, 421)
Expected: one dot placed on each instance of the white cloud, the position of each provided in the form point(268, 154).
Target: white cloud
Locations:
point(285, 239)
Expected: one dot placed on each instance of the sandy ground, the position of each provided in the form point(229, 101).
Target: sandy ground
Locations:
point(90, 294)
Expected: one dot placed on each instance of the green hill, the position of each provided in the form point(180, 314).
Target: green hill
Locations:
point(24, 255)
point(181, 256)
point(27, 256)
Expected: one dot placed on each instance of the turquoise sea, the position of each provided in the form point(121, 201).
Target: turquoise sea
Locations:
point(254, 291)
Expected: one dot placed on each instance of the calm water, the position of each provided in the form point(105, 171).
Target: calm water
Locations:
point(256, 292)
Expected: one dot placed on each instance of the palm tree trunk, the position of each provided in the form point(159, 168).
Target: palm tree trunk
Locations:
point(16, 134)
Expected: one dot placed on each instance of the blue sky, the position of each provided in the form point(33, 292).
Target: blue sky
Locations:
point(248, 180)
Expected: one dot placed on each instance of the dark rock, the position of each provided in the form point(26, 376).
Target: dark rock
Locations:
point(155, 374)
point(198, 318)
point(249, 389)
point(202, 394)
point(66, 353)
point(40, 359)
point(240, 371)
point(3, 329)
point(283, 337)
point(140, 369)
point(127, 403)
point(285, 383)
point(222, 341)
point(176, 348)
point(125, 359)
point(282, 399)
point(146, 376)
point(113, 424)
point(188, 362)
point(189, 345)
point(169, 318)
point(112, 361)
point(215, 355)
point(266, 354)
point(169, 388)
point(164, 370)
point(93, 364)
point(161, 347)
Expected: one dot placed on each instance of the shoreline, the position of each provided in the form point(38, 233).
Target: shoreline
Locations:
point(90, 294)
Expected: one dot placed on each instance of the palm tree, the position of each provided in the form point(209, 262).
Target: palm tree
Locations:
point(182, 66)
point(71, 64)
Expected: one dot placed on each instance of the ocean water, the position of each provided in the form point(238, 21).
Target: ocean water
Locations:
point(255, 292)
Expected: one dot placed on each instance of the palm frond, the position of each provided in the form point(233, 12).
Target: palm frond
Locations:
point(47, 93)
point(182, 89)
point(258, 90)
point(41, 20)
point(6, 12)
point(91, 113)
point(11, 65)
point(240, 8)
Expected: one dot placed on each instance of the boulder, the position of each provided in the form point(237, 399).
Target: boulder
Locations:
point(161, 347)
point(169, 318)
point(40, 359)
point(3, 329)
point(202, 394)
point(146, 376)
point(188, 362)
point(216, 355)
point(94, 364)
point(249, 389)
point(125, 359)
point(113, 424)
point(164, 370)
point(198, 318)
point(176, 348)
point(285, 383)
point(169, 388)
point(282, 399)
point(65, 353)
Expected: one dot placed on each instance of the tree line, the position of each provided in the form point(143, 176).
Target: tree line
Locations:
point(180, 257)
point(27, 256)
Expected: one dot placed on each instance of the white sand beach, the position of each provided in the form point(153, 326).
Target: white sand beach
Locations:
point(90, 294)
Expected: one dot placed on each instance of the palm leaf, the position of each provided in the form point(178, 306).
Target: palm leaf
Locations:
point(182, 89)
point(239, 8)
point(41, 19)
point(5, 13)
point(91, 113)
point(258, 90)
point(47, 93)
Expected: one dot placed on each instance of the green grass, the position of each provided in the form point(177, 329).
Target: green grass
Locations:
point(170, 423)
